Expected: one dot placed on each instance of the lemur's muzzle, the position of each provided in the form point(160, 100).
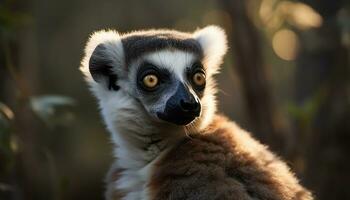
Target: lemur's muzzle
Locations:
point(182, 108)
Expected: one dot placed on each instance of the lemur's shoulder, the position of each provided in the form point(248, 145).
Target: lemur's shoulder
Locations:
point(223, 162)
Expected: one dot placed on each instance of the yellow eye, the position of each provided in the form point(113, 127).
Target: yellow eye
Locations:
point(150, 80)
point(199, 79)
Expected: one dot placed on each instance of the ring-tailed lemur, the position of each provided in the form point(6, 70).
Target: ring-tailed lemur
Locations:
point(156, 93)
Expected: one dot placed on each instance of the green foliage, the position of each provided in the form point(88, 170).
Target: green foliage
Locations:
point(54, 110)
point(7, 142)
point(10, 19)
point(308, 110)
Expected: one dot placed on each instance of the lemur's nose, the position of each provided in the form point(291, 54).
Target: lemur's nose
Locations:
point(181, 108)
point(190, 105)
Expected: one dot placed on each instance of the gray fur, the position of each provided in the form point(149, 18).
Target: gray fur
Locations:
point(101, 67)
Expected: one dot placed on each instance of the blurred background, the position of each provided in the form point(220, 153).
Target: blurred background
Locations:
point(285, 78)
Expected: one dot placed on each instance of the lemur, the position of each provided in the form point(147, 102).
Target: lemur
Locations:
point(156, 93)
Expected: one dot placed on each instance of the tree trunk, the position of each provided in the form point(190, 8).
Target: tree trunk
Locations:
point(249, 65)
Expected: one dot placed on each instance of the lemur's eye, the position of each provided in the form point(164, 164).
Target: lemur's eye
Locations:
point(150, 81)
point(196, 75)
point(199, 79)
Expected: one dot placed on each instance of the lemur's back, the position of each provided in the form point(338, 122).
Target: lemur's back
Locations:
point(223, 162)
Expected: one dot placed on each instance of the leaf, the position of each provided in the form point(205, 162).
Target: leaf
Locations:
point(4, 132)
point(6, 115)
point(6, 111)
point(53, 109)
point(307, 111)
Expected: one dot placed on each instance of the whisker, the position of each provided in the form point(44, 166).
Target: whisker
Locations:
point(223, 92)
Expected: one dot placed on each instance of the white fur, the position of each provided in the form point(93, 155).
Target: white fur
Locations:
point(174, 60)
point(125, 121)
point(214, 44)
point(111, 103)
point(115, 51)
point(129, 123)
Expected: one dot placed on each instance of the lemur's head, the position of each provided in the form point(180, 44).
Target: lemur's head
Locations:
point(162, 75)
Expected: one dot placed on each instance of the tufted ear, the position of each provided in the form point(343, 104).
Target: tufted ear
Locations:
point(214, 44)
point(103, 60)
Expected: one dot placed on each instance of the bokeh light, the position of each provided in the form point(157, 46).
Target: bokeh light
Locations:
point(285, 44)
point(274, 14)
point(301, 15)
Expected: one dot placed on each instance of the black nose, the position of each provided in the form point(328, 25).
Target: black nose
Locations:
point(181, 108)
point(190, 105)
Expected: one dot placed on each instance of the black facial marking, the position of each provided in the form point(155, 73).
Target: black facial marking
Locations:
point(163, 75)
point(136, 44)
point(112, 82)
point(100, 67)
point(195, 68)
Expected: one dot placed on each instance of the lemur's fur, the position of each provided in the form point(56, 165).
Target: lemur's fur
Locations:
point(208, 158)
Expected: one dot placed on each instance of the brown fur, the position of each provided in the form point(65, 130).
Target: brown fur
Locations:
point(223, 162)
point(112, 176)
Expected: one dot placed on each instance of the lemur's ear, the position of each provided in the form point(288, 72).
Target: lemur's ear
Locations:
point(101, 67)
point(214, 44)
point(104, 60)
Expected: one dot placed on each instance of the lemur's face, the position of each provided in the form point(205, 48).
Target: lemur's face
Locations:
point(166, 74)
point(170, 84)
